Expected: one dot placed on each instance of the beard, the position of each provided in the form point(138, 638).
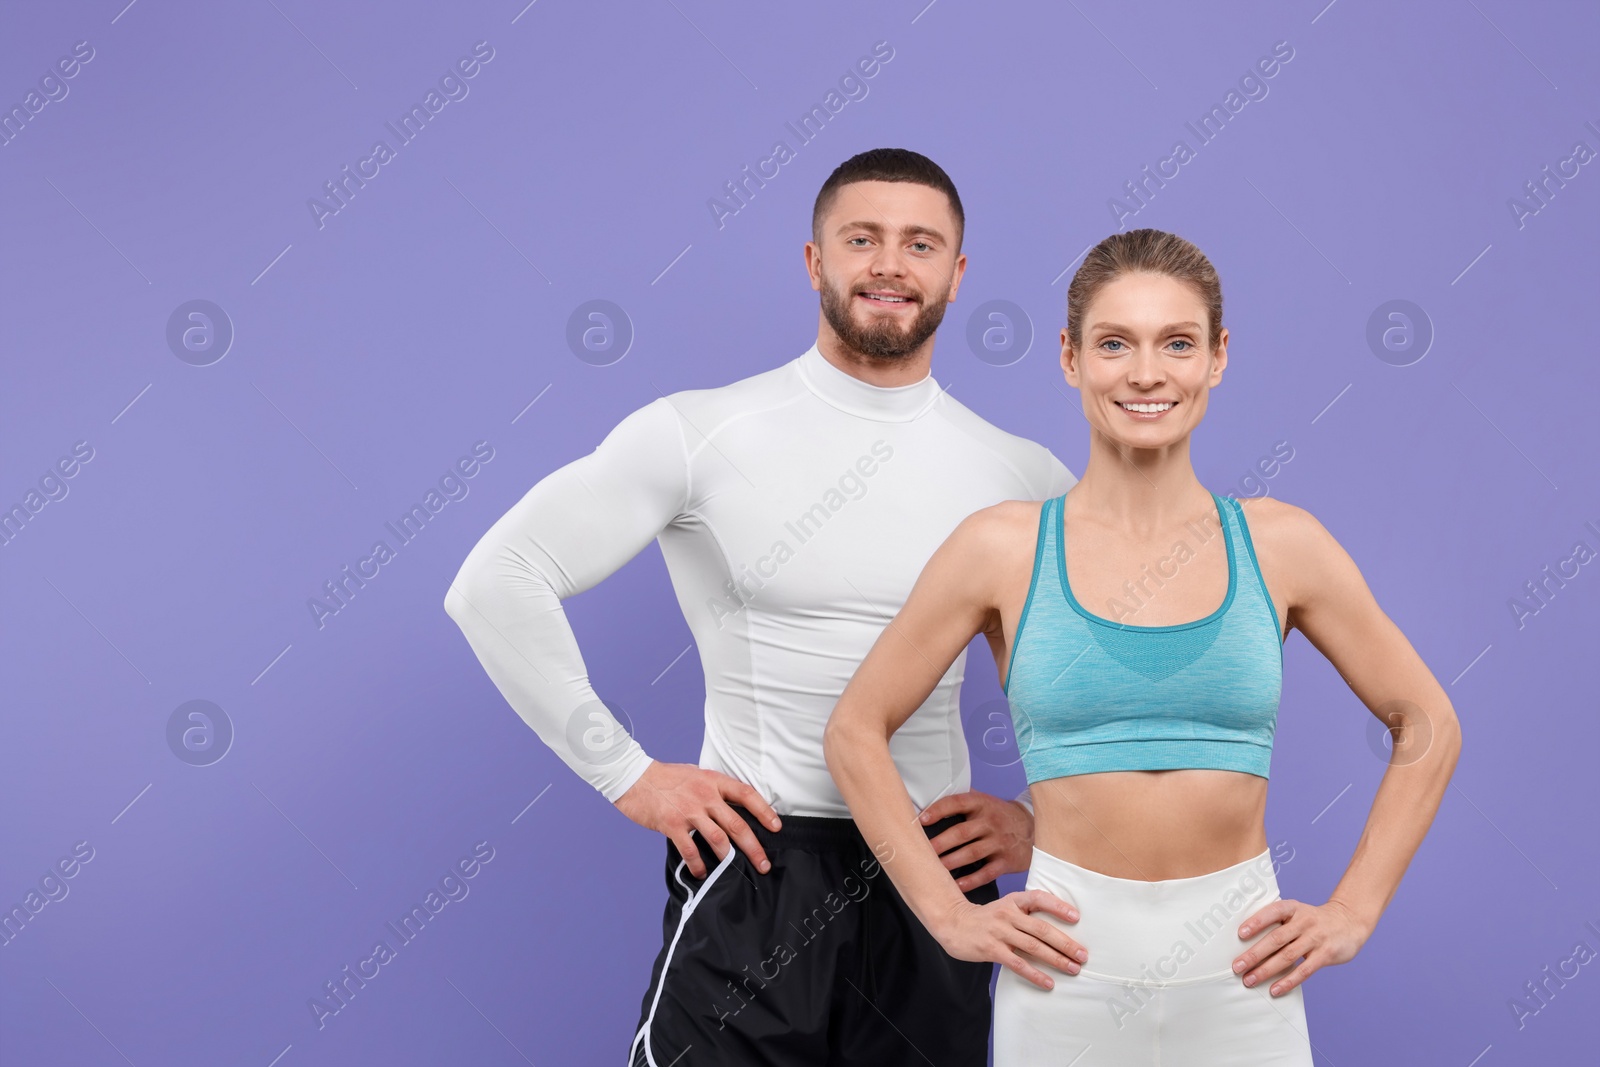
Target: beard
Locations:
point(884, 339)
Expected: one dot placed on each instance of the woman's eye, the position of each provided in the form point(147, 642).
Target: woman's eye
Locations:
point(1107, 346)
point(1186, 345)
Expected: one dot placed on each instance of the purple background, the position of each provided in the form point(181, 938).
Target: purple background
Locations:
point(371, 352)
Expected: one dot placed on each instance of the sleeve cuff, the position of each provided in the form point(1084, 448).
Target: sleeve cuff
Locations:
point(628, 770)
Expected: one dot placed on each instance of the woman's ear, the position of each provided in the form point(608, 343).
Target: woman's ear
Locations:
point(1069, 359)
point(1219, 358)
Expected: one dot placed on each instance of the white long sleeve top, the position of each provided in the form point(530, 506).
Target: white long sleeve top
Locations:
point(795, 509)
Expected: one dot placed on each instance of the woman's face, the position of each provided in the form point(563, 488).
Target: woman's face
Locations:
point(1144, 370)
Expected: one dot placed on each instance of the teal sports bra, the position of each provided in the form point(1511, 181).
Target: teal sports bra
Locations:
point(1090, 694)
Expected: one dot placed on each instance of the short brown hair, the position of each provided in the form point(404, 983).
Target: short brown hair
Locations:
point(1149, 252)
point(887, 165)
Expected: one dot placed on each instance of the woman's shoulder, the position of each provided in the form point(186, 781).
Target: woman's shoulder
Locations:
point(1279, 520)
point(1291, 535)
point(999, 535)
point(980, 560)
point(1002, 523)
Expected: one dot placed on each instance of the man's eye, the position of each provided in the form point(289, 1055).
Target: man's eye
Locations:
point(922, 246)
point(853, 240)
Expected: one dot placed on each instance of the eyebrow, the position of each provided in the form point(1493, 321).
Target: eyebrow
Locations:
point(1112, 327)
point(878, 228)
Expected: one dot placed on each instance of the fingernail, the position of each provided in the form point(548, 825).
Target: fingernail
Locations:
point(1244, 931)
point(765, 867)
point(1081, 955)
point(1072, 915)
point(1250, 981)
point(1049, 983)
point(1238, 966)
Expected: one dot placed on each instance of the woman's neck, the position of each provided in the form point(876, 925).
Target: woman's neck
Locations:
point(1138, 490)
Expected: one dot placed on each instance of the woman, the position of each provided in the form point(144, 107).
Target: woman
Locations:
point(1145, 727)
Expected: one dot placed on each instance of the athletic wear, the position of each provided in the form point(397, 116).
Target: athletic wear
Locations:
point(1091, 694)
point(818, 962)
point(794, 509)
point(1159, 986)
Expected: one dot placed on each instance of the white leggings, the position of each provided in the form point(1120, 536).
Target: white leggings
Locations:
point(1159, 987)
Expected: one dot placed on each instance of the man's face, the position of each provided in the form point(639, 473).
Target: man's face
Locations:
point(886, 264)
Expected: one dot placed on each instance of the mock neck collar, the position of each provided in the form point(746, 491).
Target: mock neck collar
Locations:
point(899, 403)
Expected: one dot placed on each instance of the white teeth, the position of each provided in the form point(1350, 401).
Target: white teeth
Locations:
point(889, 299)
point(1146, 409)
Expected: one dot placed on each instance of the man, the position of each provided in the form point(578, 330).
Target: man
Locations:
point(795, 509)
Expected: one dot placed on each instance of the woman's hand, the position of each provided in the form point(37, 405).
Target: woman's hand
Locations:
point(1323, 935)
point(1008, 933)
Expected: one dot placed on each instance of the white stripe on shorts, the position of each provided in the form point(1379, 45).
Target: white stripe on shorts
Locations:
point(683, 920)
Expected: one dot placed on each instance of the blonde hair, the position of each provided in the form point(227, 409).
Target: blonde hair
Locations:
point(1150, 252)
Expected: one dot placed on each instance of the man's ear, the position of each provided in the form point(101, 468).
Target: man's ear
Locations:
point(813, 256)
point(956, 275)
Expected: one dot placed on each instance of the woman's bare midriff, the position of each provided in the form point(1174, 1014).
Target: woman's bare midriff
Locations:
point(1152, 825)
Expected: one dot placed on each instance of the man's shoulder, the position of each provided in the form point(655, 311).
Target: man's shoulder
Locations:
point(760, 390)
point(1035, 461)
point(670, 427)
point(970, 422)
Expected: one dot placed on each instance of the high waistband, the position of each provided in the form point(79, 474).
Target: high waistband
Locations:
point(1173, 932)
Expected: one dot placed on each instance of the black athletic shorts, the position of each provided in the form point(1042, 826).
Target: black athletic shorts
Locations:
point(816, 963)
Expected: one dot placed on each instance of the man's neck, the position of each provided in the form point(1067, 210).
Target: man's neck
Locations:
point(882, 372)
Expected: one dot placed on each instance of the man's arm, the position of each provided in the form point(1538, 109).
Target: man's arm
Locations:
point(577, 526)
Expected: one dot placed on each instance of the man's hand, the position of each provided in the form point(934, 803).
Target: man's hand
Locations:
point(997, 831)
point(675, 798)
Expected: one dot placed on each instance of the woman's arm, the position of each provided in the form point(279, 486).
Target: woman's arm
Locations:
point(1330, 603)
point(952, 600)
